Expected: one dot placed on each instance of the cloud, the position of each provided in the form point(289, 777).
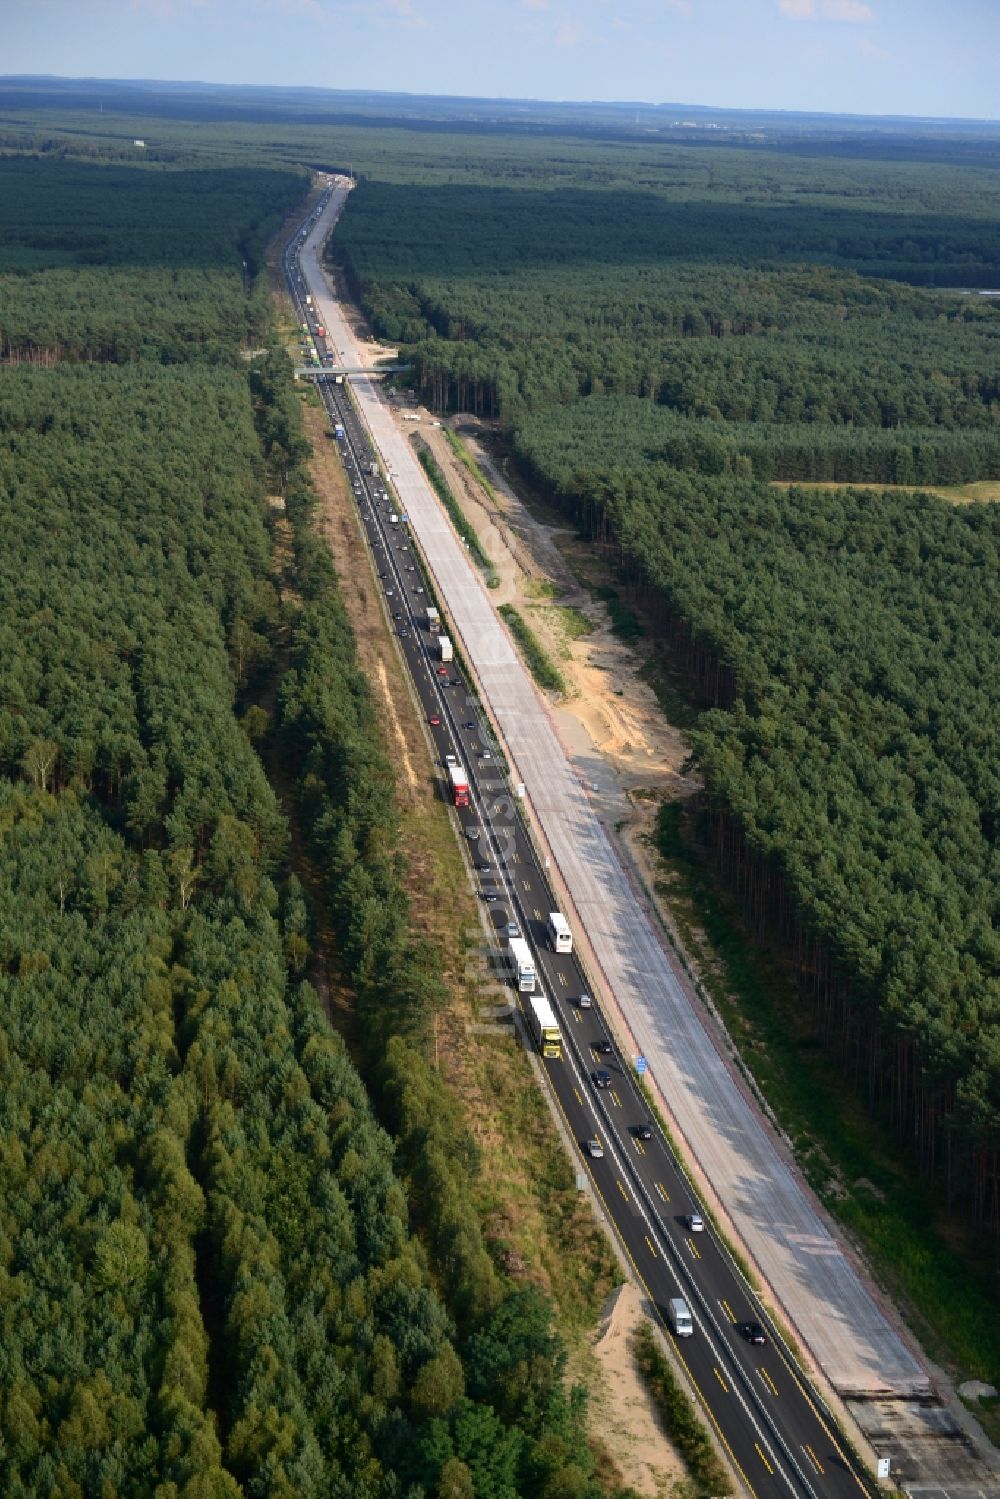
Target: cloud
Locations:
point(568, 34)
point(535, 4)
point(826, 10)
point(868, 49)
point(847, 10)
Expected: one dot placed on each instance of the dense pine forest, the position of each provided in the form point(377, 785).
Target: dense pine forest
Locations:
point(213, 1279)
point(659, 337)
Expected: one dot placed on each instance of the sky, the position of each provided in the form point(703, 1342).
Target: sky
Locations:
point(911, 57)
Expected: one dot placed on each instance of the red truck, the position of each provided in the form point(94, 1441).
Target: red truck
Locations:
point(459, 786)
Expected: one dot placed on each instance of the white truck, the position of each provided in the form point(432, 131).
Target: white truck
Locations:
point(679, 1317)
point(444, 650)
point(559, 933)
point(522, 964)
point(433, 620)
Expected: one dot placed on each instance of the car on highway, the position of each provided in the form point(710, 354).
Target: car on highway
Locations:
point(397, 614)
point(472, 832)
point(695, 1223)
point(451, 761)
point(753, 1332)
point(585, 1002)
point(491, 896)
point(434, 720)
point(601, 1077)
point(455, 682)
point(643, 1132)
point(389, 593)
point(513, 930)
point(603, 1048)
point(442, 671)
point(403, 633)
point(471, 726)
point(485, 755)
point(595, 1150)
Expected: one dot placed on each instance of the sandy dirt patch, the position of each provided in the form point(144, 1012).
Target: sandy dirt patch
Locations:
point(629, 1421)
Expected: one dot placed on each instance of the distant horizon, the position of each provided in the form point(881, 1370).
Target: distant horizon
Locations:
point(896, 59)
point(324, 90)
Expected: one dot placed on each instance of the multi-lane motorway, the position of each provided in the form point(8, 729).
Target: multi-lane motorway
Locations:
point(772, 1425)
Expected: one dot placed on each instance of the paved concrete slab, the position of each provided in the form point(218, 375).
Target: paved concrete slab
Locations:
point(930, 1452)
point(833, 1311)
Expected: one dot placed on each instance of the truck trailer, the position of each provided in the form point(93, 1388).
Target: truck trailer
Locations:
point(433, 620)
point(522, 964)
point(445, 652)
point(459, 785)
point(544, 1026)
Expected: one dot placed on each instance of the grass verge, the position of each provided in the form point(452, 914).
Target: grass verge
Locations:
point(709, 1476)
point(948, 1296)
point(542, 669)
point(467, 461)
point(433, 471)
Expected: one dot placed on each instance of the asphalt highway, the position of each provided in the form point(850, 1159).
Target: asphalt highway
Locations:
point(774, 1427)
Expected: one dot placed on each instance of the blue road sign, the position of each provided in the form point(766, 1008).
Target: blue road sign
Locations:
point(640, 1065)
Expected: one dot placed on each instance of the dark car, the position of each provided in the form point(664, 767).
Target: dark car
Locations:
point(455, 682)
point(602, 1078)
point(753, 1332)
point(397, 614)
point(603, 1048)
point(644, 1131)
point(471, 725)
point(403, 632)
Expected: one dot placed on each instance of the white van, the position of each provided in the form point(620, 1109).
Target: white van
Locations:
point(679, 1317)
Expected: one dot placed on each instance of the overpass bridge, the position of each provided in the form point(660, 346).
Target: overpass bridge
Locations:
point(315, 371)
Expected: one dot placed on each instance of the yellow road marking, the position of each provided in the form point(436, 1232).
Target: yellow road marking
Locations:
point(538, 914)
point(527, 886)
point(563, 980)
point(652, 1246)
point(693, 1249)
point(578, 1098)
point(760, 1454)
point(813, 1458)
point(577, 1017)
point(769, 1381)
point(621, 1188)
point(728, 1310)
point(664, 1194)
point(639, 1146)
point(617, 1100)
point(720, 1379)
